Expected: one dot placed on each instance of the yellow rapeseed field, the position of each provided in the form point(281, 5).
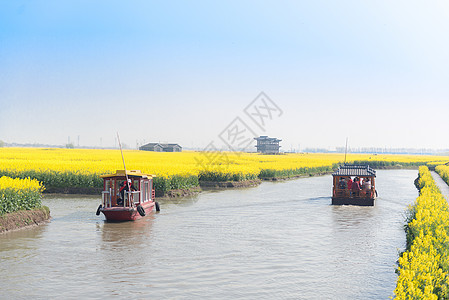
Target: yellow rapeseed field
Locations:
point(424, 267)
point(181, 163)
point(17, 184)
point(18, 194)
point(81, 167)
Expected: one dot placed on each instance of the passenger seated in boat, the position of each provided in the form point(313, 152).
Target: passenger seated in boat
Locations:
point(342, 184)
point(356, 187)
point(349, 183)
point(123, 188)
point(366, 186)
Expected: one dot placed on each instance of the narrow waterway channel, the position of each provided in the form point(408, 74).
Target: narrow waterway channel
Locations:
point(279, 240)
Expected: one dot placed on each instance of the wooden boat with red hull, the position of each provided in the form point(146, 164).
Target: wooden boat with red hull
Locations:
point(124, 200)
point(345, 190)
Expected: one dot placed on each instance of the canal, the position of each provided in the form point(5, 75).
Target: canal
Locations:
point(280, 240)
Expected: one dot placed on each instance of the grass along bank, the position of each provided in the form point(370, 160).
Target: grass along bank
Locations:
point(24, 218)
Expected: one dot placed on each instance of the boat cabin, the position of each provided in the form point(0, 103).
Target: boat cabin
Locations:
point(354, 185)
point(116, 192)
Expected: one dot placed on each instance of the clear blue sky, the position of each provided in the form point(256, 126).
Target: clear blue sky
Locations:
point(181, 71)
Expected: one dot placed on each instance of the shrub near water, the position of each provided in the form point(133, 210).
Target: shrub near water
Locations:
point(174, 182)
point(60, 179)
point(19, 194)
point(424, 266)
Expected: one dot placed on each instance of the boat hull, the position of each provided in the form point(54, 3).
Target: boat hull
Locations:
point(120, 214)
point(353, 201)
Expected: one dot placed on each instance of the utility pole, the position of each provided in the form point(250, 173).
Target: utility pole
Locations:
point(346, 148)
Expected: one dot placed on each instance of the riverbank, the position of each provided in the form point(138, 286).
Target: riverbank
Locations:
point(78, 171)
point(423, 268)
point(74, 190)
point(174, 193)
point(23, 219)
point(209, 184)
point(229, 184)
point(178, 193)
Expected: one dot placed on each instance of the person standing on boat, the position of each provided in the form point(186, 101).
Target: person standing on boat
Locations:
point(356, 187)
point(342, 184)
point(125, 188)
point(349, 183)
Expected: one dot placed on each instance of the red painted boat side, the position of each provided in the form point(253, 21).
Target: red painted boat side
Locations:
point(118, 213)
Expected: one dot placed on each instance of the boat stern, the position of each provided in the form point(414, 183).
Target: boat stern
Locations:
point(353, 201)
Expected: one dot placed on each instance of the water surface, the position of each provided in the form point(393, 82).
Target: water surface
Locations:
point(279, 240)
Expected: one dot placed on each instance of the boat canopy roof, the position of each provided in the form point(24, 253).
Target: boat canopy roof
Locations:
point(354, 170)
point(134, 173)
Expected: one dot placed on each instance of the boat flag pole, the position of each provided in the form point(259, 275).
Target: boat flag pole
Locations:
point(124, 165)
point(346, 150)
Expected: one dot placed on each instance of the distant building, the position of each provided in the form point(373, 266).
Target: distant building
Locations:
point(158, 147)
point(171, 148)
point(267, 145)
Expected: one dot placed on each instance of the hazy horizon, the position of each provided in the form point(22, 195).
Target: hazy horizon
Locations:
point(283, 149)
point(375, 72)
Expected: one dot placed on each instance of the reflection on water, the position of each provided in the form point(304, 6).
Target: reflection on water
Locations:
point(279, 240)
point(120, 236)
